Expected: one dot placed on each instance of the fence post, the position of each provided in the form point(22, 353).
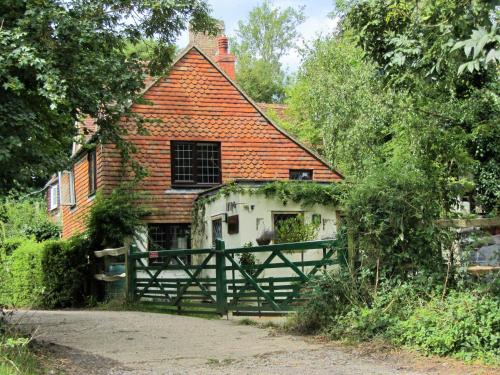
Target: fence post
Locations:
point(130, 273)
point(220, 277)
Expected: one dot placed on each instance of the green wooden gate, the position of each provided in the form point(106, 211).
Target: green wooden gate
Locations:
point(216, 281)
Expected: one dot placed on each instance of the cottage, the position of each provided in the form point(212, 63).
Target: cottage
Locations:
point(210, 134)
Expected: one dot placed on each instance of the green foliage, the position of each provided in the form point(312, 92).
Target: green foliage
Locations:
point(26, 217)
point(62, 61)
point(65, 268)
point(338, 105)
point(331, 295)
point(114, 216)
point(482, 48)
point(463, 325)
point(248, 259)
point(259, 45)
point(392, 214)
point(295, 229)
point(17, 357)
point(448, 117)
point(22, 271)
point(303, 192)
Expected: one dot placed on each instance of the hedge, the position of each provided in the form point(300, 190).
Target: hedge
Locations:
point(46, 274)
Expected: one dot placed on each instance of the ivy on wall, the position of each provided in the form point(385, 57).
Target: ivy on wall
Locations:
point(303, 192)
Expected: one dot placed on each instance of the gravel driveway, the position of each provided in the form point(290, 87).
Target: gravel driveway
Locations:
point(106, 342)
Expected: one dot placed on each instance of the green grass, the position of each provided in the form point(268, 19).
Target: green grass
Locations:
point(21, 359)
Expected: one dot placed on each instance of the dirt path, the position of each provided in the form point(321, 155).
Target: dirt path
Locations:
point(137, 343)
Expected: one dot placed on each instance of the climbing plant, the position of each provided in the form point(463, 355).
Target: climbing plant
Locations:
point(305, 193)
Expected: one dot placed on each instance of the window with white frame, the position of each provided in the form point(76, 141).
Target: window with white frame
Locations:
point(54, 197)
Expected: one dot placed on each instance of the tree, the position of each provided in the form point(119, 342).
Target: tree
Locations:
point(259, 44)
point(441, 54)
point(61, 61)
point(338, 106)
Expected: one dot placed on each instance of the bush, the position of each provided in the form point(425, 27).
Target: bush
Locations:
point(295, 230)
point(65, 271)
point(392, 215)
point(22, 272)
point(114, 217)
point(463, 325)
point(26, 218)
point(330, 296)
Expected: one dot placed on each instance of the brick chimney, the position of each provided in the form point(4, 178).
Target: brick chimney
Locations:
point(224, 59)
point(207, 43)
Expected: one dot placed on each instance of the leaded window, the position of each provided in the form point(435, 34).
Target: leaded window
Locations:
point(195, 163)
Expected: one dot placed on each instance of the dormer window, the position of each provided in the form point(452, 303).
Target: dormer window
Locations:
point(195, 163)
point(301, 174)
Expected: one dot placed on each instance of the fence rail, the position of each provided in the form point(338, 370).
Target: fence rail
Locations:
point(216, 281)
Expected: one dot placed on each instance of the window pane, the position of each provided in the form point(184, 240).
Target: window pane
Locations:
point(183, 162)
point(208, 163)
point(301, 174)
point(168, 237)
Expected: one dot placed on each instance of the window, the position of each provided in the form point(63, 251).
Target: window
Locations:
point(92, 170)
point(301, 174)
point(233, 224)
point(196, 163)
point(169, 237)
point(54, 197)
point(216, 230)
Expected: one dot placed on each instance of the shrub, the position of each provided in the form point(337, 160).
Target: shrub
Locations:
point(295, 230)
point(23, 274)
point(330, 296)
point(463, 325)
point(65, 271)
point(26, 217)
point(114, 217)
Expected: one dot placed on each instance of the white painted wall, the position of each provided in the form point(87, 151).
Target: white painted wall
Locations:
point(255, 213)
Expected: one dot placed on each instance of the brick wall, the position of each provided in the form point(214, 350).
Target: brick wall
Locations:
point(73, 218)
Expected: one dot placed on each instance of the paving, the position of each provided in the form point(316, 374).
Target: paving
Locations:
point(139, 343)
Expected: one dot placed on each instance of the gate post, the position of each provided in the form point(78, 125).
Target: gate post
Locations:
point(220, 277)
point(130, 273)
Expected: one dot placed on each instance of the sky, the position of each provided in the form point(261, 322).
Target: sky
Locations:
point(316, 12)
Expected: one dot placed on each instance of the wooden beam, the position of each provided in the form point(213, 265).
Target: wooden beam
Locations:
point(111, 252)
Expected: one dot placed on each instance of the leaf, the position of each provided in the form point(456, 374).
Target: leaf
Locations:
point(492, 55)
point(480, 45)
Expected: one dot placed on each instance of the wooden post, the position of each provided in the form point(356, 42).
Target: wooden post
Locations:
point(130, 273)
point(220, 277)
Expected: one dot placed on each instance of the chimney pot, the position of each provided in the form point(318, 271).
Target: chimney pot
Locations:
point(223, 45)
point(224, 59)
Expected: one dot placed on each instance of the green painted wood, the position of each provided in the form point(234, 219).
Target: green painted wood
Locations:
point(306, 245)
point(193, 278)
point(220, 262)
point(255, 276)
point(254, 284)
point(244, 291)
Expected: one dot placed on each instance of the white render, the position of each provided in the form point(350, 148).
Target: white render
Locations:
point(255, 213)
